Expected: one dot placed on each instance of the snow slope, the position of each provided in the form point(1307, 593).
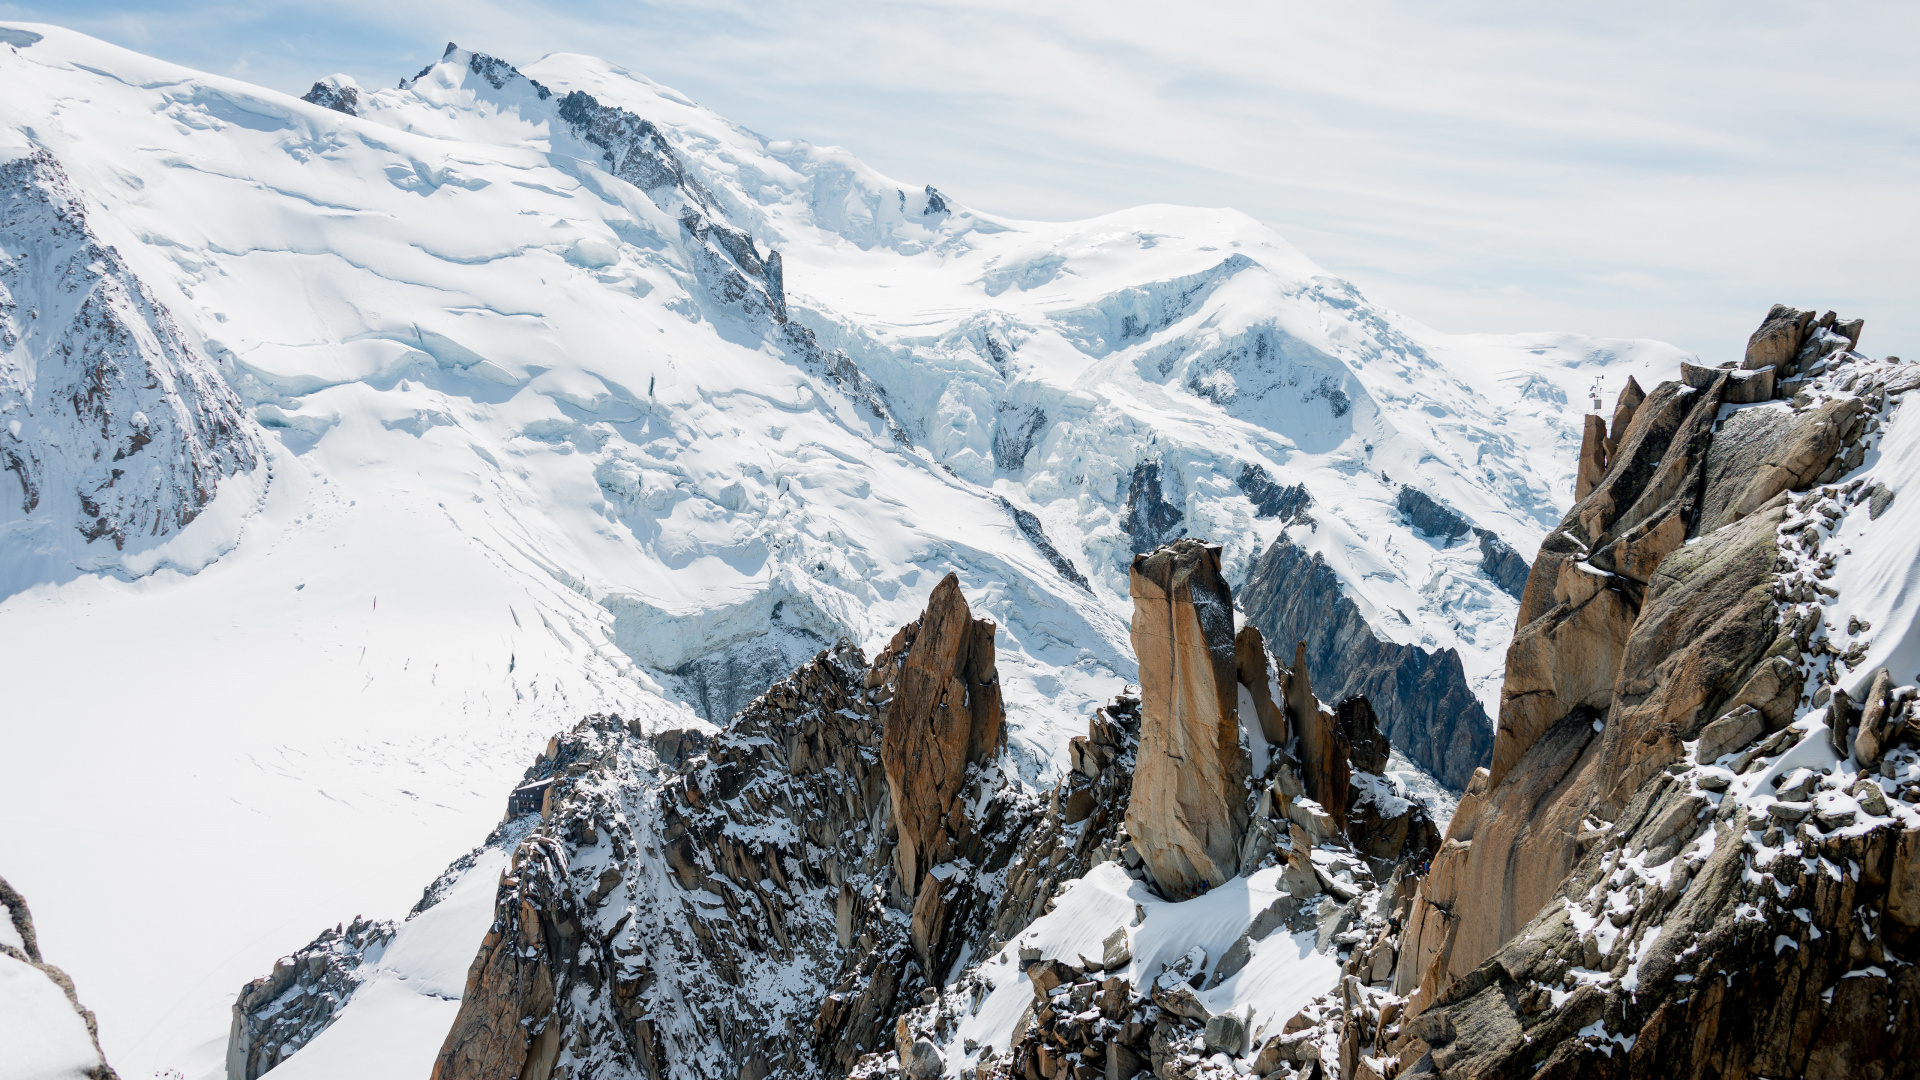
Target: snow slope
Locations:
point(537, 440)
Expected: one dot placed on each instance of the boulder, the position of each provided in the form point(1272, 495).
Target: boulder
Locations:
point(1180, 1000)
point(945, 712)
point(1879, 723)
point(922, 1061)
point(1730, 733)
point(1313, 819)
point(1188, 807)
point(1296, 1048)
point(1226, 1034)
point(1778, 339)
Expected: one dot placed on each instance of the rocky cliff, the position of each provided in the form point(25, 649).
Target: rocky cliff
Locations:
point(1422, 696)
point(842, 879)
point(1696, 850)
point(830, 857)
point(1188, 811)
point(113, 423)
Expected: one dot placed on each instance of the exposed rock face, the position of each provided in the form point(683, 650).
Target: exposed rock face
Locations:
point(1261, 677)
point(62, 1049)
point(1778, 339)
point(1324, 751)
point(1188, 811)
point(335, 93)
point(1498, 560)
point(277, 1014)
point(1429, 515)
point(1151, 519)
point(747, 914)
point(1288, 502)
point(1029, 525)
point(945, 714)
point(1503, 564)
point(1709, 908)
point(1088, 1018)
point(1014, 429)
point(1427, 708)
point(114, 423)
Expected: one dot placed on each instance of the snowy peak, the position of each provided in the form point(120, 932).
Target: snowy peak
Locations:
point(116, 427)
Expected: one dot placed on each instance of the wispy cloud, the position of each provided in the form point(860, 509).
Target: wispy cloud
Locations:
point(1633, 169)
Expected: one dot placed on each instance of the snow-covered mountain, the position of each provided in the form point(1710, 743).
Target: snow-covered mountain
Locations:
point(458, 410)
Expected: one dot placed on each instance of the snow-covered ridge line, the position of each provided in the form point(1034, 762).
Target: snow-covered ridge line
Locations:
point(116, 426)
point(542, 447)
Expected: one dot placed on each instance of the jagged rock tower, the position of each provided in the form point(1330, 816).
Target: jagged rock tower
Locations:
point(1188, 812)
point(945, 713)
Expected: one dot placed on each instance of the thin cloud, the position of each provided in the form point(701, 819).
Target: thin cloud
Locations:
point(1637, 169)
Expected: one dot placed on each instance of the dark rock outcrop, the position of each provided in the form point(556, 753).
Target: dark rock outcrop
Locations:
point(1288, 502)
point(1029, 525)
point(1498, 560)
point(119, 426)
point(1151, 519)
point(277, 1014)
point(1013, 431)
point(1426, 706)
point(341, 97)
point(1504, 565)
point(1429, 515)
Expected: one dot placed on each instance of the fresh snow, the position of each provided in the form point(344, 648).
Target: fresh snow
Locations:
point(1283, 974)
point(522, 464)
point(43, 1037)
point(393, 1025)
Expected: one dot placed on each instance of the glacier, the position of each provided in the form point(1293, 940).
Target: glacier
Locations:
point(533, 392)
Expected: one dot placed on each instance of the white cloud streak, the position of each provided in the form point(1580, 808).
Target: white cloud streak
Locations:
point(1635, 169)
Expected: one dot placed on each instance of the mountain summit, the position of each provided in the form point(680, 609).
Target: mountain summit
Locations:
point(361, 442)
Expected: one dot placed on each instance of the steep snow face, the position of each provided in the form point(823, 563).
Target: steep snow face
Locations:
point(577, 397)
point(118, 430)
point(1050, 361)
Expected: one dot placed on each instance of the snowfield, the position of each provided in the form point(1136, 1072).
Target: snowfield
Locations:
point(541, 435)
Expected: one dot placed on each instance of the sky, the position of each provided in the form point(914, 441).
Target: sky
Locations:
point(1634, 169)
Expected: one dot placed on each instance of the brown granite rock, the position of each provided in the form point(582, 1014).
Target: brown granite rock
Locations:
point(1593, 457)
point(1878, 722)
point(1623, 409)
point(1797, 460)
point(1250, 662)
point(1325, 761)
point(1779, 337)
point(946, 712)
point(1188, 808)
point(510, 979)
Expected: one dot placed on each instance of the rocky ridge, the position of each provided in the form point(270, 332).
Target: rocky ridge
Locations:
point(1240, 771)
point(1422, 695)
point(1697, 850)
point(846, 860)
point(112, 421)
point(654, 929)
